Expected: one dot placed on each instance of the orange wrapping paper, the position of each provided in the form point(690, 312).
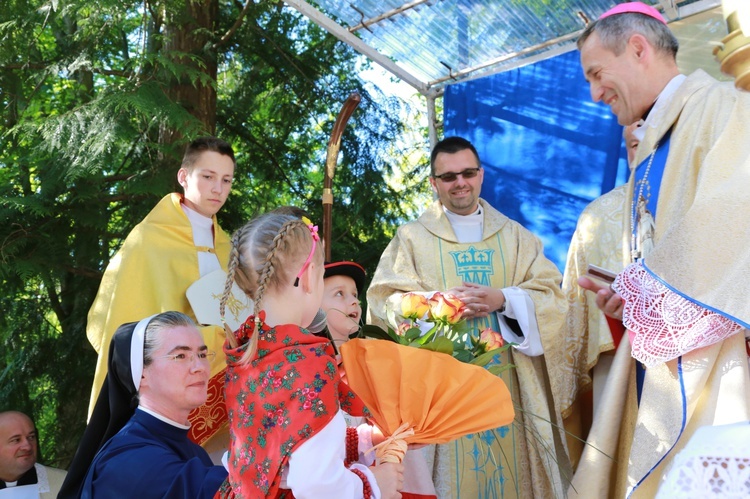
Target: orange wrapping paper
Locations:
point(441, 397)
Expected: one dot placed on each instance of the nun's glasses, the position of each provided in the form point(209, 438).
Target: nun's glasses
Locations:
point(189, 357)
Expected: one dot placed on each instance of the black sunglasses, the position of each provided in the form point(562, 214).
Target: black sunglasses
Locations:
point(451, 177)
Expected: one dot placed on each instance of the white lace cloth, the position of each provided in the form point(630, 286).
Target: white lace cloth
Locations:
point(714, 463)
point(665, 325)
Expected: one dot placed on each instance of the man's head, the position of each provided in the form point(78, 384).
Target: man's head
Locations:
point(176, 365)
point(343, 285)
point(18, 445)
point(628, 57)
point(206, 174)
point(456, 175)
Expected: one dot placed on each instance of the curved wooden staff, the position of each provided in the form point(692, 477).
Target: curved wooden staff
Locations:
point(332, 155)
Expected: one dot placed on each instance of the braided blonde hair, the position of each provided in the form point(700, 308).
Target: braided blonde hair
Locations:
point(266, 254)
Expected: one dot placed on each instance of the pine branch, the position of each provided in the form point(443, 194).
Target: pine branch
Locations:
point(43, 66)
point(83, 272)
point(121, 197)
point(54, 298)
point(117, 178)
point(142, 136)
point(241, 132)
point(284, 55)
point(224, 39)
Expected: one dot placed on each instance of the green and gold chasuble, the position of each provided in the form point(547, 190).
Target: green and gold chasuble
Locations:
point(491, 463)
point(518, 460)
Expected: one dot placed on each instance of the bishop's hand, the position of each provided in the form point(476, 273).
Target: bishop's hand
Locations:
point(607, 300)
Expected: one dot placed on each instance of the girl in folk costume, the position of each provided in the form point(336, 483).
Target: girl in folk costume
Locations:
point(284, 396)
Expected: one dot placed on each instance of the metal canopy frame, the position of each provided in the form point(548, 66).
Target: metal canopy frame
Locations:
point(386, 15)
point(361, 36)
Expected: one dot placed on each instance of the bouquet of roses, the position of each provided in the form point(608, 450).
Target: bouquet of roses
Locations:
point(449, 332)
point(430, 386)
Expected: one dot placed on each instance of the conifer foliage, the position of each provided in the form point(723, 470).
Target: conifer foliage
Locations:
point(98, 101)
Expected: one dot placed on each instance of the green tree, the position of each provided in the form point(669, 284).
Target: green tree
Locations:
point(98, 102)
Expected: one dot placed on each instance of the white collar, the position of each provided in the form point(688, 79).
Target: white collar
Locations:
point(31, 490)
point(196, 219)
point(470, 218)
point(163, 418)
point(662, 101)
point(466, 228)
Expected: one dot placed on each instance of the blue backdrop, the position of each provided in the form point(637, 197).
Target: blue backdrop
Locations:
point(547, 149)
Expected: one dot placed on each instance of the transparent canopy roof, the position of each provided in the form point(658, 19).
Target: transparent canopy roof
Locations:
point(438, 42)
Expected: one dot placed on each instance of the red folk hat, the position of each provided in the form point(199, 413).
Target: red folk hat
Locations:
point(349, 269)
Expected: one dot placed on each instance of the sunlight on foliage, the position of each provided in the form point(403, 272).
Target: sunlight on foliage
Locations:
point(98, 102)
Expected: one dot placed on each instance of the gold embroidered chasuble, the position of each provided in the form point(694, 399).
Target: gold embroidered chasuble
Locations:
point(702, 251)
point(149, 274)
point(599, 240)
point(514, 461)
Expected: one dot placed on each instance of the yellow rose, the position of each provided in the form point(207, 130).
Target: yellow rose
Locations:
point(490, 340)
point(414, 306)
point(446, 309)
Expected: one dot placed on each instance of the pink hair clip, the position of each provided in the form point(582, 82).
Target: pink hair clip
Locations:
point(314, 232)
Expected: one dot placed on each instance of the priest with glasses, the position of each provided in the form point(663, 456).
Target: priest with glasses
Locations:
point(463, 246)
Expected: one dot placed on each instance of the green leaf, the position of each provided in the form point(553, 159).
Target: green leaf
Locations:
point(412, 333)
point(498, 369)
point(474, 341)
point(372, 331)
point(463, 355)
point(427, 337)
point(486, 357)
point(461, 328)
point(459, 344)
point(443, 345)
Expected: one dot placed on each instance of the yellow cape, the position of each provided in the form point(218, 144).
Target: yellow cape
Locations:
point(149, 274)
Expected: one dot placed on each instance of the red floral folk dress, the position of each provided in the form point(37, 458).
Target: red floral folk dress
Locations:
point(288, 393)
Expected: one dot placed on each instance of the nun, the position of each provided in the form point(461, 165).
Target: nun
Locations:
point(136, 444)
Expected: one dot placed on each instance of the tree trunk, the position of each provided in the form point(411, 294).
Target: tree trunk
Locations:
point(191, 30)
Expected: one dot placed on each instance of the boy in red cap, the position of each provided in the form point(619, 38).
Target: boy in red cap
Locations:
point(344, 282)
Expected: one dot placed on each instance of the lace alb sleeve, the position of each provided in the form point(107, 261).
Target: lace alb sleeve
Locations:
point(664, 324)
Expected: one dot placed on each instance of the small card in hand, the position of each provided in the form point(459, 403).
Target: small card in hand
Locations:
point(601, 274)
